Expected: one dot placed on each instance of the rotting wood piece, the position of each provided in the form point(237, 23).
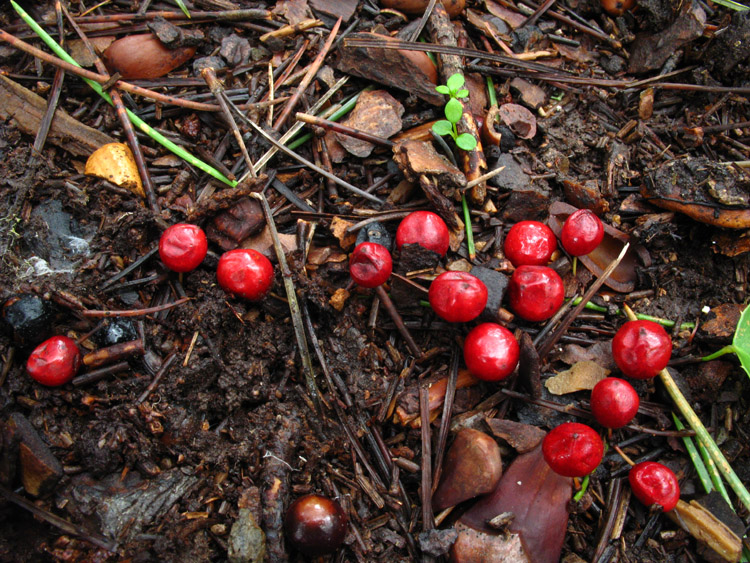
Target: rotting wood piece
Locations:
point(26, 109)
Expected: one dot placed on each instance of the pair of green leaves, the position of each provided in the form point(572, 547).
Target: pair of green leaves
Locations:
point(453, 112)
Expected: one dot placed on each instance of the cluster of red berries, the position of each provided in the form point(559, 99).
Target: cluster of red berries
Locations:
point(182, 247)
point(641, 349)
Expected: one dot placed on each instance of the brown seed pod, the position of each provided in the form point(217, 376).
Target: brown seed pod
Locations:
point(144, 56)
point(417, 7)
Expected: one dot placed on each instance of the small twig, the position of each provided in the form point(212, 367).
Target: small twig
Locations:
point(294, 309)
point(339, 128)
point(695, 423)
point(134, 312)
point(423, 20)
point(157, 378)
point(484, 177)
point(290, 105)
point(445, 420)
point(426, 489)
point(398, 321)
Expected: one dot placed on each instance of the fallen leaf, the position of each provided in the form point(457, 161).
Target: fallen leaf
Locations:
point(338, 228)
point(582, 376)
point(377, 113)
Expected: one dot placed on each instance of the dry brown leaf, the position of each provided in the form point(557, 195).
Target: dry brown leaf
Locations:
point(338, 299)
point(115, 163)
point(582, 376)
point(338, 228)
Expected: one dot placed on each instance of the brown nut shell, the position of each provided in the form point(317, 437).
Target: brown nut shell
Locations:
point(144, 56)
point(115, 163)
point(417, 7)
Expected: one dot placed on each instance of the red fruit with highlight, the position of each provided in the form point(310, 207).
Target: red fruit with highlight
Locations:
point(535, 293)
point(426, 229)
point(182, 247)
point(581, 233)
point(457, 297)
point(315, 525)
point(491, 352)
point(370, 264)
point(246, 273)
point(641, 349)
point(653, 483)
point(573, 449)
point(614, 402)
point(529, 243)
point(55, 361)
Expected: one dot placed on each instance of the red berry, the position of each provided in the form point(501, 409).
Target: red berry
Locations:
point(457, 297)
point(614, 402)
point(370, 264)
point(535, 293)
point(573, 449)
point(55, 361)
point(182, 247)
point(315, 525)
point(491, 352)
point(653, 483)
point(641, 349)
point(246, 273)
point(581, 233)
point(425, 229)
point(529, 243)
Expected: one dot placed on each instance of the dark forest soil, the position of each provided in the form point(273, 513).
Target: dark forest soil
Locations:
point(231, 428)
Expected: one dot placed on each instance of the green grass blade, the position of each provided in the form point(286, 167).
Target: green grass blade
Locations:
point(182, 6)
point(732, 5)
point(137, 121)
point(469, 231)
point(695, 457)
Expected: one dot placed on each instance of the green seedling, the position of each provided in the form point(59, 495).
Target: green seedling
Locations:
point(182, 6)
point(740, 343)
point(453, 112)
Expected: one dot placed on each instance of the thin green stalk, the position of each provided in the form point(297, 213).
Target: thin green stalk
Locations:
point(491, 92)
point(714, 472)
point(703, 436)
point(182, 6)
point(695, 457)
point(732, 5)
point(641, 317)
point(584, 487)
point(469, 232)
point(137, 121)
point(728, 349)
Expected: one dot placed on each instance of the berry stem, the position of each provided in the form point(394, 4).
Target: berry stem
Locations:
point(641, 317)
point(728, 349)
point(624, 456)
point(469, 231)
point(703, 436)
point(575, 264)
point(582, 491)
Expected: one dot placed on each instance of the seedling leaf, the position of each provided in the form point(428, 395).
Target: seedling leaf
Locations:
point(442, 127)
point(453, 110)
point(182, 6)
point(463, 93)
point(466, 141)
point(741, 340)
point(443, 89)
point(455, 82)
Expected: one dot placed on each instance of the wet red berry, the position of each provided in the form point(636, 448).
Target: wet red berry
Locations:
point(457, 297)
point(573, 449)
point(614, 402)
point(529, 243)
point(641, 349)
point(182, 247)
point(55, 361)
point(370, 264)
point(426, 229)
point(535, 293)
point(581, 233)
point(246, 273)
point(491, 352)
point(653, 483)
point(315, 525)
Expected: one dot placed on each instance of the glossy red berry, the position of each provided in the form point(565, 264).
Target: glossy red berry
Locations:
point(641, 349)
point(491, 352)
point(529, 243)
point(426, 229)
point(55, 361)
point(370, 264)
point(535, 293)
point(614, 402)
point(573, 449)
point(315, 525)
point(182, 247)
point(653, 483)
point(581, 233)
point(457, 297)
point(246, 273)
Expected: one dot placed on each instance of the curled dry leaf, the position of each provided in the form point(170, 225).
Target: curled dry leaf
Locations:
point(144, 56)
point(520, 120)
point(582, 376)
point(115, 163)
